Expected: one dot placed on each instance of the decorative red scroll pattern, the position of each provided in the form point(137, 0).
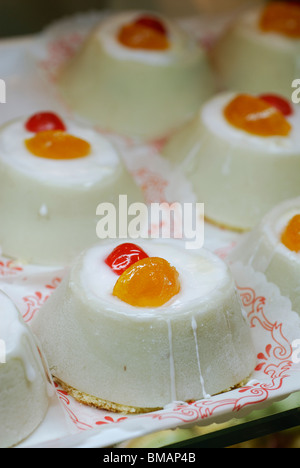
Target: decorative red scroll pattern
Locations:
point(152, 184)
point(273, 365)
point(58, 52)
point(9, 268)
point(279, 347)
point(34, 301)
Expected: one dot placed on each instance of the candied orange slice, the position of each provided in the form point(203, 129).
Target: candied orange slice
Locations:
point(57, 144)
point(150, 282)
point(282, 18)
point(256, 116)
point(291, 235)
point(140, 35)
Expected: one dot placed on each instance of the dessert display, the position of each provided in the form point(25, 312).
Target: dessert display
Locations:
point(273, 248)
point(24, 393)
point(242, 156)
point(134, 327)
point(54, 174)
point(138, 74)
point(259, 53)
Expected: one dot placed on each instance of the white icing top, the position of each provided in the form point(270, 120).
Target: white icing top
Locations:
point(19, 341)
point(102, 162)
point(201, 273)
point(182, 46)
point(213, 117)
point(248, 24)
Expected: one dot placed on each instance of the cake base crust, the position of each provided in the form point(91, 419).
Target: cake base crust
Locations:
point(99, 403)
point(225, 226)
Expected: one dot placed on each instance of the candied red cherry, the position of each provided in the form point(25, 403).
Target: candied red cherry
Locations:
point(43, 122)
point(280, 103)
point(152, 23)
point(124, 256)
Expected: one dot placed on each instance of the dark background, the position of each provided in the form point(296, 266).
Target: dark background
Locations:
point(24, 17)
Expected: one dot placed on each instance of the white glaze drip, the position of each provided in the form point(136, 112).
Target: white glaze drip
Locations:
point(19, 342)
point(195, 328)
point(172, 364)
point(43, 212)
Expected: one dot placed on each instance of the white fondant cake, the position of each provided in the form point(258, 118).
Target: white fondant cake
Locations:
point(137, 91)
point(24, 394)
point(48, 206)
point(111, 354)
point(249, 59)
point(238, 175)
point(264, 250)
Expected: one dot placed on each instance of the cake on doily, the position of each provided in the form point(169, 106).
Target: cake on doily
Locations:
point(134, 327)
point(242, 156)
point(54, 174)
point(273, 248)
point(260, 51)
point(137, 74)
point(24, 389)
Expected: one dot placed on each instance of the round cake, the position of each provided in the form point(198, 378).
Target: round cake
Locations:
point(133, 328)
point(242, 156)
point(137, 74)
point(273, 248)
point(260, 51)
point(24, 392)
point(54, 174)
